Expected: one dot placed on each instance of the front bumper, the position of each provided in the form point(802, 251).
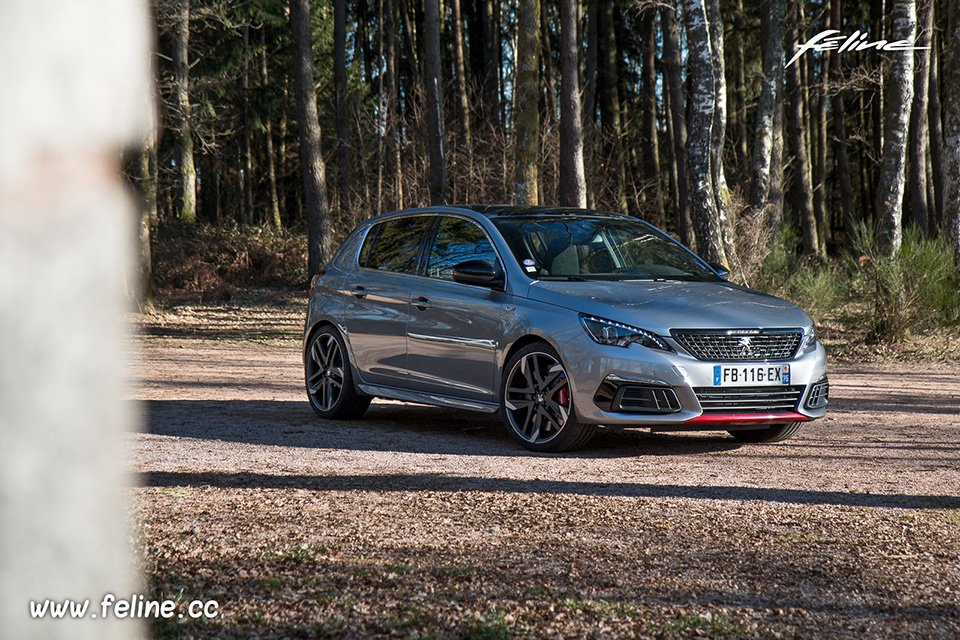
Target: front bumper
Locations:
point(638, 386)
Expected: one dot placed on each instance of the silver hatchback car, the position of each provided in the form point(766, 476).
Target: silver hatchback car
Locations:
point(560, 320)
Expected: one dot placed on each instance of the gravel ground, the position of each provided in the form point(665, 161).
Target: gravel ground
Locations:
point(425, 522)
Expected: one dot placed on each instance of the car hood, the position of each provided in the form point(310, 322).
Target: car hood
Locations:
point(660, 306)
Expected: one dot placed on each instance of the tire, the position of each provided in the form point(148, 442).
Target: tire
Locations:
point(774, 433)
point(536, 404)
point(329, 377)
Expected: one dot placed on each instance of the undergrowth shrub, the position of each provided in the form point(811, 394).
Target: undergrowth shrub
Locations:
point(914, 290)
point(211, 261)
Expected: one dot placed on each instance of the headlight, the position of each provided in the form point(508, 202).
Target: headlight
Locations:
point(618, 334)
point(809, 341)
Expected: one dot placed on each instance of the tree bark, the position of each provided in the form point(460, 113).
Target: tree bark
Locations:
point(247, 156)
point(319, 245)
point(438, 161)
point(841, 160)
point(392, 124)
point(573, 184)
point(652, 196)
point(462, 97)
point(951, 130)
point(718, 133)
point(491, 62)
point(935, 124)
point(774, 12)
point(802, 182)
point(342, 113)
point(674, 86)
point(700, 108)
point(896, 129)
point(527, 107)
point(738, 113)
point(182, 114)
point(610, 97)
point(919, 129)
point(268, 143)
point(148, 211)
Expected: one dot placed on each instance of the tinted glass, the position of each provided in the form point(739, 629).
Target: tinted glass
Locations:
point(585, 248)
point(394, 245)
point(458, 240)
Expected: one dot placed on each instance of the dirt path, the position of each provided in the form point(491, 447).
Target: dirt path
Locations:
point(417, 521)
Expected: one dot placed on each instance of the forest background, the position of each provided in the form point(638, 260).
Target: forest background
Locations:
point(834, 181)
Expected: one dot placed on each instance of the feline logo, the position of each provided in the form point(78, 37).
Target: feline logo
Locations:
point(827, 41)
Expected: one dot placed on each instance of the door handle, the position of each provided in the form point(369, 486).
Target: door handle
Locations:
point(359, 292)
point(422, 303)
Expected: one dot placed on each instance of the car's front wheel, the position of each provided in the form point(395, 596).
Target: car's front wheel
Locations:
point(329, 377)
point(774, 433)
point(536, 402)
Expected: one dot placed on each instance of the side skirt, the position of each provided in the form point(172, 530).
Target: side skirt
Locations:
point(437, 400)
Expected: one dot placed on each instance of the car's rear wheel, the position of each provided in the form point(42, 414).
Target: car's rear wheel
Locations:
point(329, 377)
point(536, 402)
point(773, 433)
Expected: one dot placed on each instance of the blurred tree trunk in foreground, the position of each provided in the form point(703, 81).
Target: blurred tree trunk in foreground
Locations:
point(82, 86)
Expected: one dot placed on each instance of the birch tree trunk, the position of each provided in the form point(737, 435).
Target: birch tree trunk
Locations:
point(919, 131)
point(771, 80)
point(674, 86)
point(700, 109)
point(434, 91)
point(573, 184)
point(899, 89)
point(951, 130)
point(319, 244)
point(718, 133)
point(181, 79)
point(527, 107)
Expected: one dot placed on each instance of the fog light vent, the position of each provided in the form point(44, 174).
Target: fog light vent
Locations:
point(644, 399)
point(818, 396)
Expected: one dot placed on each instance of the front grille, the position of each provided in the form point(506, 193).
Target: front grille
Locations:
point(732, 346)
point(748, 400)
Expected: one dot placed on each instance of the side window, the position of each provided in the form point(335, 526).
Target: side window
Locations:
point(396, 245)
point(457, 240)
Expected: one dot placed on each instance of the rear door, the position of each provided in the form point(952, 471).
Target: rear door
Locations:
point(378, 298)
point(454, 329)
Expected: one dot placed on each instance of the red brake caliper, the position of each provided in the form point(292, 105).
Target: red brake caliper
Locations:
point(564, 396)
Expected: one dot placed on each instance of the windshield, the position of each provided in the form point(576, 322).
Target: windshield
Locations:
point(598, 248)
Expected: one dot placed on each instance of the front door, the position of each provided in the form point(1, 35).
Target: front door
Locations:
point(454, 329)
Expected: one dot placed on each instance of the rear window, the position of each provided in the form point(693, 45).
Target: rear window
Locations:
point(395, 245)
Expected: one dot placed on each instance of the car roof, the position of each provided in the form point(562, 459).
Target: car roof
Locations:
point(508, 210)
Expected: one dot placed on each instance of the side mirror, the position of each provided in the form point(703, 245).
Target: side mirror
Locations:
point(478, 272)
point(721, 270)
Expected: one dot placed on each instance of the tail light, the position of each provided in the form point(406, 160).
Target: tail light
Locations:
point(313, 281)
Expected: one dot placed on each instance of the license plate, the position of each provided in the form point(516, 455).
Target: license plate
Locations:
point(751, 374)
